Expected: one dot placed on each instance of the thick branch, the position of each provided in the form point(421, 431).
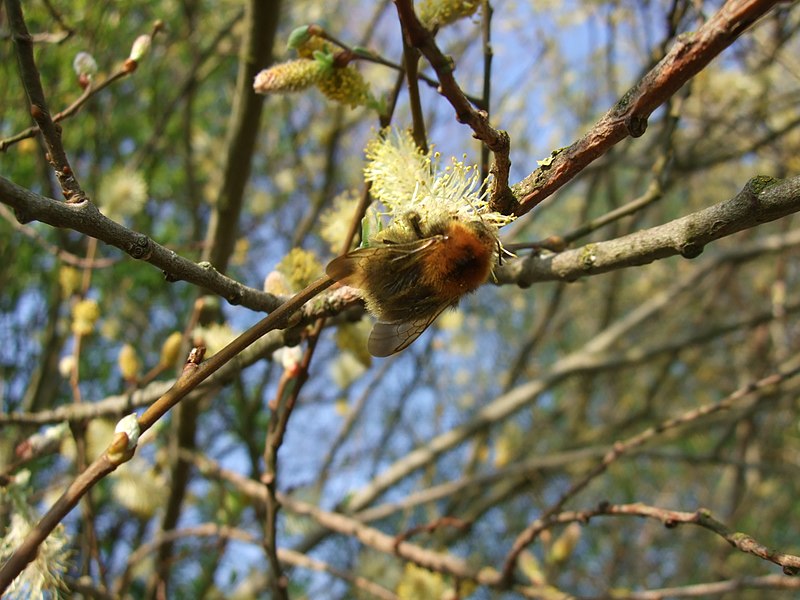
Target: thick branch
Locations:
point(261, 24)
point(85, 218)
point(690, 55)
point(760, 201)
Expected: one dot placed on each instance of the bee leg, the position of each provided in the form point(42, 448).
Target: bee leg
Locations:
point(413, 220)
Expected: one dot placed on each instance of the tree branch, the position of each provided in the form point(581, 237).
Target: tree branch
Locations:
point(690, 55)
point(261, 23)
point(496, 140)
point(618, 449)
point(760, 201)
point(38, 104)
point(193, 375)
point(85, 218)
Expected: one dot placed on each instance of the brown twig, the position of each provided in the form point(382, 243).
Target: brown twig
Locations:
point(85, 218)
point(687, 57)
point(119, 452)
point(89, 92)
point(672, 518)
point(618, 449)
point(431, 527)
point(488, 55)
point(279, 420)
point(281, 411)
point(51, 132)
point(496, 140)
point(59, 18)
point(234, 533)
point(760, 201)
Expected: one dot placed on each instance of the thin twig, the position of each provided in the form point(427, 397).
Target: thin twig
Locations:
point(234, 533)
point(488, 55)
point(194, 374)
point(369, 56)
point(89, 92)
point(618, 449)
point(38, 105)
point(496, 140)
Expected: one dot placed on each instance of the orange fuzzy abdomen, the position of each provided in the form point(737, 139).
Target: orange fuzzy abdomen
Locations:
point(462, 262)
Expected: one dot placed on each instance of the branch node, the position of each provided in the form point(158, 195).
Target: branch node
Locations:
point(37, 112)
point(636, 125)
point(691, 250)
point(140, 248)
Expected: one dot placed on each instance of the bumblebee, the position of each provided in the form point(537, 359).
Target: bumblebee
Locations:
point(414, 272)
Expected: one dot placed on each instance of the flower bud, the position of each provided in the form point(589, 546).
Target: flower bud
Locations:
point(140, 47)
point(85, 65)
point(170, 349)
point(346, 86)
point(129, 363)
point(445, 12)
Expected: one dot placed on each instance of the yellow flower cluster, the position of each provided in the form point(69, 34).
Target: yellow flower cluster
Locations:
point(406, 179)
point(171, 349)
point(346, 86)
point(122, 193)
point(300, 267)
point(335, 221)
point(69, 280)
point(317, 66)
point(84, 316)
point(129, 363)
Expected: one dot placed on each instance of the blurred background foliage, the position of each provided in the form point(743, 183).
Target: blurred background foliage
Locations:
point(150, 149)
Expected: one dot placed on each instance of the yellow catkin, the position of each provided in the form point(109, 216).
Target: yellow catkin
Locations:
point(345, 85)
point(291, 76)
point(129, 363)
point(84, 316)
point(170, 349)
point(445, 12)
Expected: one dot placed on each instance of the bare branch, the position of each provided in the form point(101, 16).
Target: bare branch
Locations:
point(38, 105)
point(760, 201)
point(690, 54)
point(85, 218)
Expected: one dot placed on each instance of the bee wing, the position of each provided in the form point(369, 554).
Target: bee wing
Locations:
point(390, 338)
point(346, 267)
point(348, 270)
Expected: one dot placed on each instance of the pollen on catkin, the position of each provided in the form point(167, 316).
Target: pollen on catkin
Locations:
point(345, 85)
